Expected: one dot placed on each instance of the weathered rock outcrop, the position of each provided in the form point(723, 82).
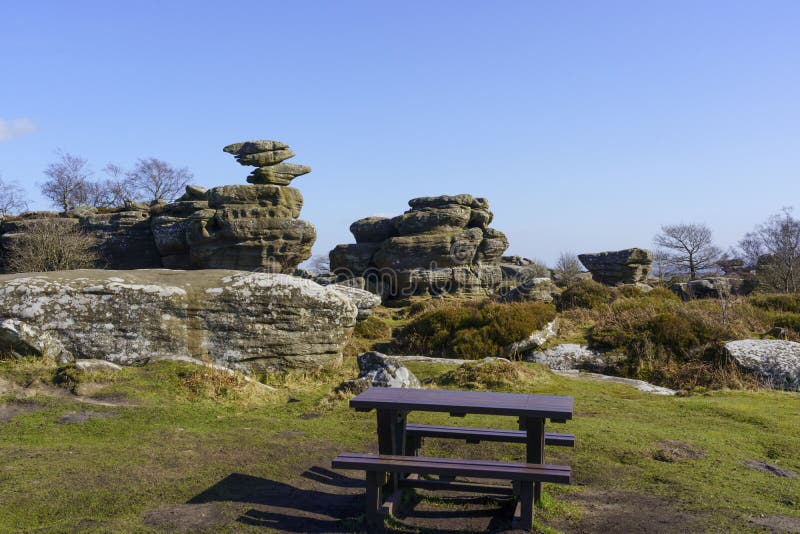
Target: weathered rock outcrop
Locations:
point(242, 227)
point(712, 288)
point(441, 245)
point(617, 267)
point(776, 361)
point(253, 322)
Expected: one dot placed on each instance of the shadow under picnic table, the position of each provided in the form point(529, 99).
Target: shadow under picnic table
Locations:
point(326, 506)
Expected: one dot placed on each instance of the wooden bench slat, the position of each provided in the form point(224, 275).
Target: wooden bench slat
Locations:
point(476, 435)
point(453, 467)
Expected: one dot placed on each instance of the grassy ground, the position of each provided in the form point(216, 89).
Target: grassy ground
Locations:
point(163, 448)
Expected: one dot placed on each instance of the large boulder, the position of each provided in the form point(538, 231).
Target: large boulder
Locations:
point(254, 322)
point(776, 361)
point(617, 267)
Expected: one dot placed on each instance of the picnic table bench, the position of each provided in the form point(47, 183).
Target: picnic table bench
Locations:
point(398, 444)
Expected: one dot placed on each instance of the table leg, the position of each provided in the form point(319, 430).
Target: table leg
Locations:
point(391, 438)
point(534, 428)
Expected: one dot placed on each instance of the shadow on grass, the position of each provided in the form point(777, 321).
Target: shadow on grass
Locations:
point(333, 504)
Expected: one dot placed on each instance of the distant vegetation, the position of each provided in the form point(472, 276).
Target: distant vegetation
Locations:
point(474, 330)
point(652, 336)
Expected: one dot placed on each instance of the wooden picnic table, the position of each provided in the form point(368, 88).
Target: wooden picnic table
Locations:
point(393, 404)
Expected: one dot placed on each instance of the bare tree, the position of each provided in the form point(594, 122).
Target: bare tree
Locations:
point(774, 248)
point(66, 186)
point(51, 245)
point(12, 198)
point(113, 191)
point(568, 267)
point(159, 180)
point(688, 248)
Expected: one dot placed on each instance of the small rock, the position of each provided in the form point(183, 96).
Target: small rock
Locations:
point(569, 356)
point(379, 370)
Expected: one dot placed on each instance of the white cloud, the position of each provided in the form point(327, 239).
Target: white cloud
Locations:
point(13, 128)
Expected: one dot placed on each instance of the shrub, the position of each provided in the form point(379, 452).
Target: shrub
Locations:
point(474, 330)
point(372, 328)
point(49, 245)
point(494, 375)
point(630, 292)
point(585, 294)
point(669, 342)
point(664, 294)
point(777, 302)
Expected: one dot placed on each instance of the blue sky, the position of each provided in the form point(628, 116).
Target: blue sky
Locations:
point(586, 124)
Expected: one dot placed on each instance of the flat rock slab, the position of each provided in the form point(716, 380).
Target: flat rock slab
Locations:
point(82, 417)
point(641, 385)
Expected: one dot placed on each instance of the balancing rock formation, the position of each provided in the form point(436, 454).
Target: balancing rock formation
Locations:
point(441, 245)
point(244, 227)
point(617, 267)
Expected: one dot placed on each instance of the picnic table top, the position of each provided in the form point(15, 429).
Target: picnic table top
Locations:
point(463, 402)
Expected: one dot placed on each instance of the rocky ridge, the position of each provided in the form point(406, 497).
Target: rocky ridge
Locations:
point(245, 227)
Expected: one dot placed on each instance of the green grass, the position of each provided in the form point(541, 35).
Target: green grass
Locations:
point(178, 441)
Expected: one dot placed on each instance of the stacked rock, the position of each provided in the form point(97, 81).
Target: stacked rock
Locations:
point(242, 227)
point(441, 245)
